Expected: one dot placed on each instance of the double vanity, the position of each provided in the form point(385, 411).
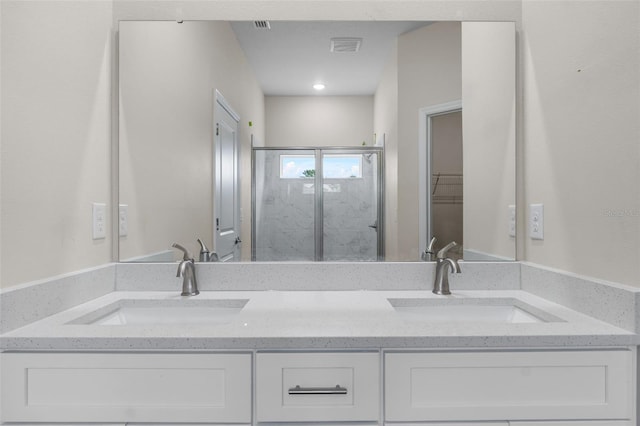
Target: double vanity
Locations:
point(491, 353)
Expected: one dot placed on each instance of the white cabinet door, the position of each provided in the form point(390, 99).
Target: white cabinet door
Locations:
point(90, 387)
point(314, 387)
point(509, 385)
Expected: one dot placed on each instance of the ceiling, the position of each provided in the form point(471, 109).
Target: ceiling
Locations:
point(290, 57)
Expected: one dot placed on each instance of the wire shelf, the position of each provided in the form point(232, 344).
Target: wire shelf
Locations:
point(446, 188)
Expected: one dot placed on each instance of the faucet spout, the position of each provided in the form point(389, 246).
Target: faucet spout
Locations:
point(187, 270)
point(444, 264)
point(455, 266)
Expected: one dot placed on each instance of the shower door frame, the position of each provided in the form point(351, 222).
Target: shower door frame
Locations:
point(319, 195)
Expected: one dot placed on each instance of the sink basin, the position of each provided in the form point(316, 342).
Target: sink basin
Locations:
point(164, 312)
point(490, 310)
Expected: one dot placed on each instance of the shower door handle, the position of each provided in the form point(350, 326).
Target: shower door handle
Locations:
point(374, 226)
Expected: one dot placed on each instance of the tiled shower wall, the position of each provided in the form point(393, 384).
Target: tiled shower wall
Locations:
point(285, 213)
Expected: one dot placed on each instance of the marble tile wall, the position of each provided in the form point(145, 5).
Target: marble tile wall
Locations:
point(285, 212)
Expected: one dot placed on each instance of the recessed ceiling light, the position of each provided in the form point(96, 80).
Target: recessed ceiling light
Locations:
point(319, 86)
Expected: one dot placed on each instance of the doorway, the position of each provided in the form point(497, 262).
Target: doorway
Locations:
point(226, 192)
point(294, 221)
point(441, 176)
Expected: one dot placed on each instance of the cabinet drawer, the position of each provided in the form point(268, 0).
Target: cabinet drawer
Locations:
point(126, 387)
point(301, 387)
point(510, 385)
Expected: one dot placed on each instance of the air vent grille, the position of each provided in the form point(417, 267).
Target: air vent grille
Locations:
point(262, 25)
point(345, 44)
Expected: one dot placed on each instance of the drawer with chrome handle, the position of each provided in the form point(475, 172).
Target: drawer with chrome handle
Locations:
point(337, 390)
point(317, 386)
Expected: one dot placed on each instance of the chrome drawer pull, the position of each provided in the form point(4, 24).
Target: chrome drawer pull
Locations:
point(338, 390)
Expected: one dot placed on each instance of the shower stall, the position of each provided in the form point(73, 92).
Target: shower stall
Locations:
point(293, 220)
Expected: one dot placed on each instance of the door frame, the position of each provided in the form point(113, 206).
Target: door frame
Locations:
point(220, 101)
point(425, 145)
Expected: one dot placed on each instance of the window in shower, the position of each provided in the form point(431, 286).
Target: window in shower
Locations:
point(334, 166)
point(342, 166)
point(297, 166)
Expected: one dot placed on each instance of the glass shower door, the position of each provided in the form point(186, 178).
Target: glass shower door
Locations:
point(351, 220)
point(284, 205)
point(317, 204)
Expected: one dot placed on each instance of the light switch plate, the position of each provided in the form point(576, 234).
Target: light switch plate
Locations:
point(512, 220)
point(99, 221)
point(536, 221)
point(123, 220)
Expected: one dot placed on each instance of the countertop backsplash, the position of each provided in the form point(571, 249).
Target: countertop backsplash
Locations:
point(301, 276)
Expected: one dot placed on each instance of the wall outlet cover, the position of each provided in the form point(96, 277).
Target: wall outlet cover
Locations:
point(512, 220)
point(99, 221)
point(123, 220)
point(536, 221)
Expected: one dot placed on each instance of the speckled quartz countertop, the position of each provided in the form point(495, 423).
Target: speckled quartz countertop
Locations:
point(313, 320)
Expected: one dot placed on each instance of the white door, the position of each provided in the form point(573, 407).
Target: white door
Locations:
point(226, 197)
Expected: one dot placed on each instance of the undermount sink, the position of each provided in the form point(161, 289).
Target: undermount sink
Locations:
point(490, 310)
point(164, 312)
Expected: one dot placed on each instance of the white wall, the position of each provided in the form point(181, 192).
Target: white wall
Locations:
point(401, 10)
point(56, 82)
point(489, 135)
point(581, 77)
point(319, 120)
point(385, 124)
point(429, 73)
point(169, 72)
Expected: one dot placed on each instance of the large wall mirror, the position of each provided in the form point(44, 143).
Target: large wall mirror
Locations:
point(422, 112)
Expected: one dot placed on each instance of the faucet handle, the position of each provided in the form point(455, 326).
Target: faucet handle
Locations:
point(442, 254)
point(431, 244)
point(428, 253)
point(187, 255)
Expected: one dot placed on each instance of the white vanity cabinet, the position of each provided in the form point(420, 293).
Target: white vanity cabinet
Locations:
point(509, 386)
point(318, 387)
point(133, 387)
point(500, 387)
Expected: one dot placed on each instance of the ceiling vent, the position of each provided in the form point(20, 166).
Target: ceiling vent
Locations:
point(345, 44)
point(261, 25)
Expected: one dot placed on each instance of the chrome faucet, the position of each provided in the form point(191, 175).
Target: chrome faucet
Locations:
point(205, 254)
point(187, 270)
point(429, 254)
point(443, 263)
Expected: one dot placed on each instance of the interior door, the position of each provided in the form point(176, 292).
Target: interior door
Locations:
point(226, 197)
